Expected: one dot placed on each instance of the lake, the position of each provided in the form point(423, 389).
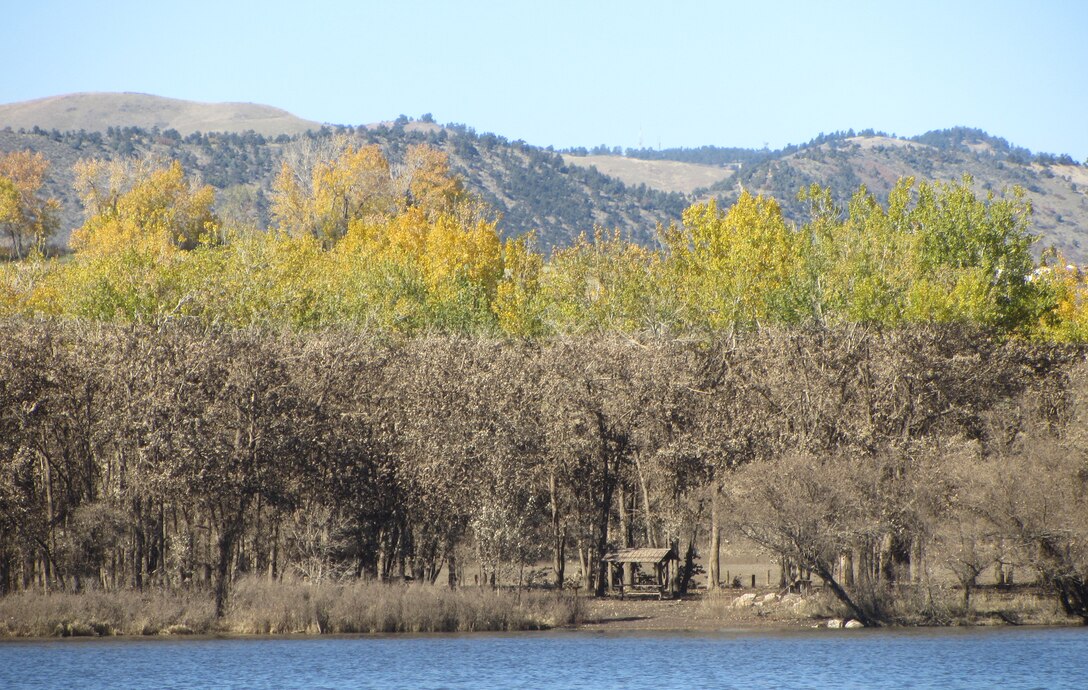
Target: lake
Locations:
point(944, 658)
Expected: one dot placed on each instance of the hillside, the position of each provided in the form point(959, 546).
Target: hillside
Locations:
point(666, 175)
point(95, 112)
point(531, 189)
point(559, 196)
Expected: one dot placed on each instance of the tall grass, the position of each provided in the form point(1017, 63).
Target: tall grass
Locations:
point(284, 607)
point(126, 612)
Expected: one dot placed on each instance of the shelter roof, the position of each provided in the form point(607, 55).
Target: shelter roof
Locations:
point(641, 556)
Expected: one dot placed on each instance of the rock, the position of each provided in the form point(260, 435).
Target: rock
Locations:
point(794, 600)
point(834, 623)
point(854, 624)
point(743, 600)
point(769, 598)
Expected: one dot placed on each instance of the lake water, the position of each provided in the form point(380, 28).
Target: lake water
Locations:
point(989, 658)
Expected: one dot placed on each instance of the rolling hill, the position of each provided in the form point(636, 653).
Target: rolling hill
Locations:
point(95, 112)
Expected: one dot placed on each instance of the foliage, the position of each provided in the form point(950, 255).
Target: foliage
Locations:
point(28, 219)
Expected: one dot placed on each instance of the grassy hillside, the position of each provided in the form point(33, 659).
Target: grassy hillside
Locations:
point(669, 176)
point(94, 112)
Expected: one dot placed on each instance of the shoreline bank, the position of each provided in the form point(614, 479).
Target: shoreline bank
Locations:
point(303, 610)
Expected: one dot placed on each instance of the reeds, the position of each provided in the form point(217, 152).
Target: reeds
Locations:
point(96, 613)
point(261, 606)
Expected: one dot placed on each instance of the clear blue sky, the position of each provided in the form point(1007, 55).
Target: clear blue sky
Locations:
point(582, 73)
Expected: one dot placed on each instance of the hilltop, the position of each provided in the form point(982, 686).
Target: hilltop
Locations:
point(1056, 185)
point(96, 112)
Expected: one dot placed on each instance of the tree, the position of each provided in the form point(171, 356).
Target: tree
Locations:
point(237, 431)
point(28, 219)
point(602, 285)
point(1034, 492)
point(737, 268)
point(142, 220)
point(142, 206)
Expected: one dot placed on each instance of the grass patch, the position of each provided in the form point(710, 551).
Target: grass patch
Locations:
point(262, 607)
point(97, 613)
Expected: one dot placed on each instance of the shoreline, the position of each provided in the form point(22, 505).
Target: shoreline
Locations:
point(695, 614)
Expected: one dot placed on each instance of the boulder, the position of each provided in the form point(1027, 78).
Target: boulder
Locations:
point(834, 623)
point(769, 598)
point(793, 600)
point(854, 624)
point(743, 600)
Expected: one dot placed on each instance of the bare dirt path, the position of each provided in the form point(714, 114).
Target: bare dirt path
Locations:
point(699, 612)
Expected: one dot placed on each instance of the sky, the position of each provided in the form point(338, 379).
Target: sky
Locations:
point(554, 73)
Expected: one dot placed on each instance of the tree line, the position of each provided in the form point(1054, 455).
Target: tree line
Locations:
point(138, 456)
point(403, 247)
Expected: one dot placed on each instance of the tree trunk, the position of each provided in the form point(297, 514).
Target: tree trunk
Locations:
point(139, 546)
point(646, 514)
point(846, 565)
point(917, 551)
point(829, 579)
point(689, 564)
point(583, 562)
point(714, 569)
point(222, 569)
point(625, 535)
point(604, 510)
point(229, 532)
point(451, 569)
point(559, 535)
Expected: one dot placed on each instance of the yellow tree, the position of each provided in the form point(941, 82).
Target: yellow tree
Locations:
point(427, 182)
point(737, 268)
point(268, 279)
point(935, 253)
point(603, 284)
point(140, 220)
point(324, 192)
point(1067, 287)
point(867, 261)
point(141, 205)
point(519, 303)
point(977, 251)
point(417, 271)
point(27, 218)
point(355, 185)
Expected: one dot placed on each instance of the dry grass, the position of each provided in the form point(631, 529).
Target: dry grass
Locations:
point(94, 111)
point(32, 614)
point(668, 176)
point(264, 607)
point(260, 606)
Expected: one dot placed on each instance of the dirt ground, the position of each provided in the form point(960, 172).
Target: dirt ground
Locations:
point(766, 609)
point(700, 612)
